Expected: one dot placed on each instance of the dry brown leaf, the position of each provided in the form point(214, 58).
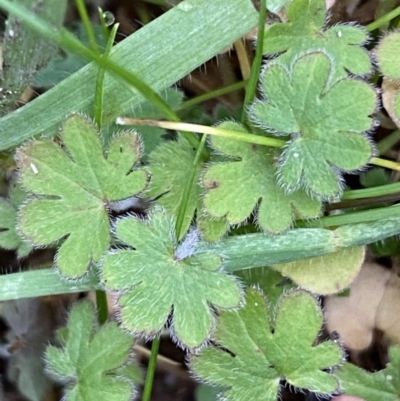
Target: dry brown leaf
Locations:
point(391, 95)
point(374, 303)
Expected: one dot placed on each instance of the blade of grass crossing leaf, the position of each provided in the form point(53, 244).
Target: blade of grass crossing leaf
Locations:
point(240, 252)
point(255, 68)
point(178, 232)
point(188, 188)
point(101, 297)
point(66, 40)
point(250, 138)
point(202, 34)
point(203, 129)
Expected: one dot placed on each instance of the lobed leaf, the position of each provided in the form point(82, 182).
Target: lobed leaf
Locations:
point(325, 124)
point(270, 282)
point(88, 360)
point(252, 360)
point(235, 188)
point(377, 386)
point(305, 33)
point(158, 276)
point(73, 189)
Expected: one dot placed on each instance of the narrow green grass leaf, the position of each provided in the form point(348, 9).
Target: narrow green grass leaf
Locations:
point(158, 276)
point(89, 360)
point(253, 359)
point(325, 124)
point(75, 190)
point(203, 32)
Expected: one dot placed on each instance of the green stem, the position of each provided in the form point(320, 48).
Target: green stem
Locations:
point(101, 296)
point(212, 95)
point(80, 5)
point(103, 24)
point(239, 252)
point(205, 129)
point(102, 306)
point(188, 188)
point(255, 68)
point(384, 19)
point(372, 192)
point(99, 92)
point(388, 142)
point(151, 369)
point(235, 135)
point(363, 216)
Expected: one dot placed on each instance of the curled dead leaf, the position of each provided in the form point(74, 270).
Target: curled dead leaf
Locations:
point(373, 303)
point(391, 99)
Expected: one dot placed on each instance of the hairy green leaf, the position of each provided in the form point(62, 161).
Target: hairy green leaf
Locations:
point(235, 188)
point(377, 386)
point(387, 54)
point(325, 125)
point(74, 190)
point(88, 360)
point(159, 276)
point(304, 33)
point(270, 281)
point(328, 274)
point(253, 359)
point(211, 229)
